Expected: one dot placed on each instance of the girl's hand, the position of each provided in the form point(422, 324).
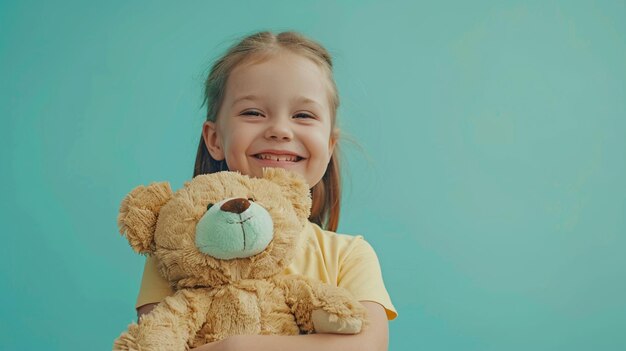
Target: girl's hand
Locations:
point(373, 338)
point(227, 344)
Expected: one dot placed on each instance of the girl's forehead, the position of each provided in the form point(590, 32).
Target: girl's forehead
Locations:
point(281, 56)
point(278, 74)
point(286, 64)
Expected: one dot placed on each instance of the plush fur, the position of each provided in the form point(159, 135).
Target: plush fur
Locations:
point(217, 298)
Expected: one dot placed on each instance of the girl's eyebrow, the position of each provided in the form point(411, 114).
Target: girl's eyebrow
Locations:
point(245, 97)
point(301, 99)
point(306, 100)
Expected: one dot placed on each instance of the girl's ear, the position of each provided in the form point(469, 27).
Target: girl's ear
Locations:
point(212, 140)
point(139, 212)
point(294, 188)
point(332, 141)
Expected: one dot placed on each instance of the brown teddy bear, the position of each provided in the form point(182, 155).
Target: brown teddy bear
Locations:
point(223, 241)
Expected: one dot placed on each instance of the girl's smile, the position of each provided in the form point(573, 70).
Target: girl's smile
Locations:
point(277, 158)
point(275, 113)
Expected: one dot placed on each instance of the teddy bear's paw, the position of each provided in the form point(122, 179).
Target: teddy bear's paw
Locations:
point(325, 322)
point(126, 341)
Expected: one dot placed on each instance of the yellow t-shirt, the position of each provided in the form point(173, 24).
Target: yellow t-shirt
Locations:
point(337, 259)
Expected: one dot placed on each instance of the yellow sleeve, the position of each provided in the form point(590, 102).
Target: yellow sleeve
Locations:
point(154, 287)
point(360, 273)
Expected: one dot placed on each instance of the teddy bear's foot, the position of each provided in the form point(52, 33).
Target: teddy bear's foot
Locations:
point(325, 322)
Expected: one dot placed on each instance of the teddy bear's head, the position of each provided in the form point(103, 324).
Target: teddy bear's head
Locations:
point(219, 227)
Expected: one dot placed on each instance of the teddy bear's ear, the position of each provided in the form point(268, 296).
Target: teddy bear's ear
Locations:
point(294, 187)
point(139, 212)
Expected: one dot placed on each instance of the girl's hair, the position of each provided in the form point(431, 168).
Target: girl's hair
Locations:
point(326, 194)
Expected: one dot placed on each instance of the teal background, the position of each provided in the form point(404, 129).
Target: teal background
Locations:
point(488, 169)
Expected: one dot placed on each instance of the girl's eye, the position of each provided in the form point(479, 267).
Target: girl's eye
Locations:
point(303, 115)
point(252, 113)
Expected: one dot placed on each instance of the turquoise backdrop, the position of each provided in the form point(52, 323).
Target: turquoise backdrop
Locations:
point(487, 168)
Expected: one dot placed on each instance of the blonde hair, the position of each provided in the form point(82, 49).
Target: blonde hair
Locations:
point(326, 194)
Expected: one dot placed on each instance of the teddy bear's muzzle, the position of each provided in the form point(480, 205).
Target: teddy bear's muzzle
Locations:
point(234, 228)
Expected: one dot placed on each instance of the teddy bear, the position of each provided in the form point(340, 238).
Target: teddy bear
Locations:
point(223, 241)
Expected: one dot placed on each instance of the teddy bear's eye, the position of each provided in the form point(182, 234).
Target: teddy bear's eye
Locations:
point(208, 207)
point(251, 199)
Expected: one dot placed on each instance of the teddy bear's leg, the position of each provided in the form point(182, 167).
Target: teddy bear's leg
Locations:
point(323, 308)
point(170, 326)
point(145, 336)
point(233, 311)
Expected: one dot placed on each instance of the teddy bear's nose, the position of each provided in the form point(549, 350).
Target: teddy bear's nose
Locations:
point(235, 205)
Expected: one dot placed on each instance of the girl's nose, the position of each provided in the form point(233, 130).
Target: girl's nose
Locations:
point(279, 130)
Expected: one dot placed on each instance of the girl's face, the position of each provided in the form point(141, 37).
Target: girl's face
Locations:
point(275, 113)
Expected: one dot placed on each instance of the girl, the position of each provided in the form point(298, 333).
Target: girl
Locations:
point(272, 102)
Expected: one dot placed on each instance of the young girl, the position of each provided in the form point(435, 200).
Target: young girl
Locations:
point(272, 102)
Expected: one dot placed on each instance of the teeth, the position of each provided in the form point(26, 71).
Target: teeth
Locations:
point(289, 158)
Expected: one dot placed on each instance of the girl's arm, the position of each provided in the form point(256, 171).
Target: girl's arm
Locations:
point(375, 338)
point(145, 309)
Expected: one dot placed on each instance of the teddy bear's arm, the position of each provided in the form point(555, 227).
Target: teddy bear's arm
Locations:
point(321, 307)
point(170, 326)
